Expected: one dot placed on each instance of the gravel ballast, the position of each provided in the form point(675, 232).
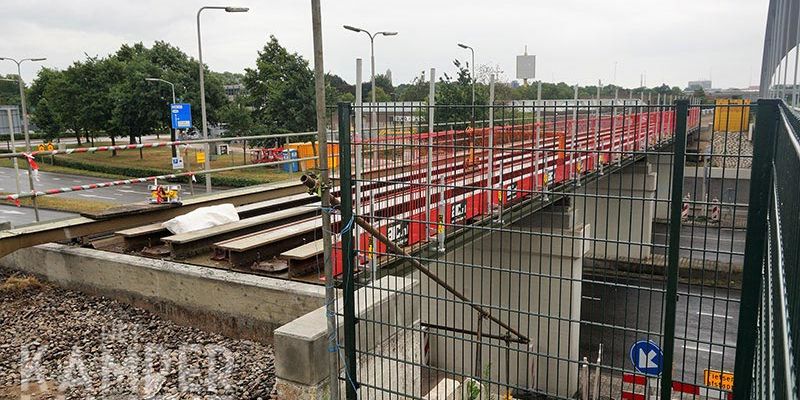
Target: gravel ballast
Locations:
point(56, 343)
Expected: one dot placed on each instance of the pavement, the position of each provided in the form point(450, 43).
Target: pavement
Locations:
point(617, 313)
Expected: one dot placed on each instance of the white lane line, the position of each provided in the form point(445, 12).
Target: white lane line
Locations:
point(56, 179)
point(76, 181)
point(11, 212)
point(127, 191)
point(697, 348)
point(591, 298)
point(715, 315)
point(95, 196)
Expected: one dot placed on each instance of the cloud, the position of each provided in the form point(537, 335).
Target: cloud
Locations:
point(575, 40)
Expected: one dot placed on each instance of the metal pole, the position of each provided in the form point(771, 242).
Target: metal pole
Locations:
point(359, 137)
point(325, 195)
point(573, 144)
point(490, 177)
point(374, 121)
point(347, 253)
point(473, 84)
point(673, 255)
point(597, 145)
point(173, 131)
point(538, 134)
point(428, 181)
point(27, 137)
point(207, 164)
point(14, 146)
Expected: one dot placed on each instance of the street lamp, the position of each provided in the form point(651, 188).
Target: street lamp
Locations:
point(25, 122)
point(463, 46)
point(372, 62)
point(207, 165)
point(172, 132)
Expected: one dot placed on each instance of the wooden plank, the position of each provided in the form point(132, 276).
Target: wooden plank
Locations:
point(149, 235)
point(262, 207)
point(304, 260)
point(303, 252)
point(142, 236)
point(270, 243)
point(190, 243)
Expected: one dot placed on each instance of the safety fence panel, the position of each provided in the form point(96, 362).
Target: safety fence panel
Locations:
point(524, 250)
point(768, 347)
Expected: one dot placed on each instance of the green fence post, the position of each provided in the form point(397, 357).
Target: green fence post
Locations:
point(766, 129)
point(673, 255)
point(346, 230)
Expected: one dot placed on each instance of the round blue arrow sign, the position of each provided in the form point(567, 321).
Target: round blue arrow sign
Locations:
point(647, 357)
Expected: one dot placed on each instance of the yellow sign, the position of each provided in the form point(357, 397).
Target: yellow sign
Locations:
point(718, 379)
point(201, 157)
point(50, 147)
point(732, 115)
point(41, 147)
point(440, 227)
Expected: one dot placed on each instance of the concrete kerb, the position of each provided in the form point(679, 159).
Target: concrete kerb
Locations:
point(388, 331)
point(230, 303)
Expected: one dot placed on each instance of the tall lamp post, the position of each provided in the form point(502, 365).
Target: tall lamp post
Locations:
point(373, 126)
point(207, 164)
point(472, 73)
point(25, 122)
point(172, 133)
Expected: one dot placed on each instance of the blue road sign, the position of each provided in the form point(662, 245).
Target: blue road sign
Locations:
point(647, 357)
point(181, 115)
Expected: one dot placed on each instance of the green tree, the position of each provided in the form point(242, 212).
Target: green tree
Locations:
point(281, 90)
point(9, 90)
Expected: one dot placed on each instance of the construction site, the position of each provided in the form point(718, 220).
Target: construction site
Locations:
point(591, 247)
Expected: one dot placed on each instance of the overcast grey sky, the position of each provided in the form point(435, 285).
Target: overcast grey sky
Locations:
point(673, 41)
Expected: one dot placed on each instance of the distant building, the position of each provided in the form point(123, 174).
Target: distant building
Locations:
point(233, 91)
point(389, 76)
point(15, 120)
point(694, 85)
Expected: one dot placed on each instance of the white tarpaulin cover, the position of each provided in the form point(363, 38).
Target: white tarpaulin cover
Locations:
point(202, 218)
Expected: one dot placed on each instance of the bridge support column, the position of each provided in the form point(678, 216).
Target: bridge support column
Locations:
point(662, 165)
point(529, 278)
point(621, 207)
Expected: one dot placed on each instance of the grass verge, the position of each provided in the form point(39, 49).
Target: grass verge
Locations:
point(64, 204)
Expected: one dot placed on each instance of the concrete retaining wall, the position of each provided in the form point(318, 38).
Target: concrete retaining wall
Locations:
point(231, 303)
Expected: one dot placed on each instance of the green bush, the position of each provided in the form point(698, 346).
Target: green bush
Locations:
point(133, 172)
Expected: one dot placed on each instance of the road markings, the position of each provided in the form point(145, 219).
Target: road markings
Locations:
point(715, 315)
point(698, 348)
point(56, 179)
point(128, 191)
point(95, 196)
point(12, 212)
point(76, 181)
point(591, 298)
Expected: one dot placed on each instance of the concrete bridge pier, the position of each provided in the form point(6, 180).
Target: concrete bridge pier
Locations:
point(621, 208)
point(530, 275)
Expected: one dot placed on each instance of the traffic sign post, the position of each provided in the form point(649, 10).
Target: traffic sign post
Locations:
point(181, 117)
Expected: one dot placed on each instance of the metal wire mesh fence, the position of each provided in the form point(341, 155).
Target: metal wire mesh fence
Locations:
point(541, 250)
point(767, 350)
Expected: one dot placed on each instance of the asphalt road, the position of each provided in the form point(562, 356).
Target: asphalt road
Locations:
point(619, 313)
point(711, 243)
point(48, 180)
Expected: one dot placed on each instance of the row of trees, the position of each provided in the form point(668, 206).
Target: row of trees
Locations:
point(109, 96)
